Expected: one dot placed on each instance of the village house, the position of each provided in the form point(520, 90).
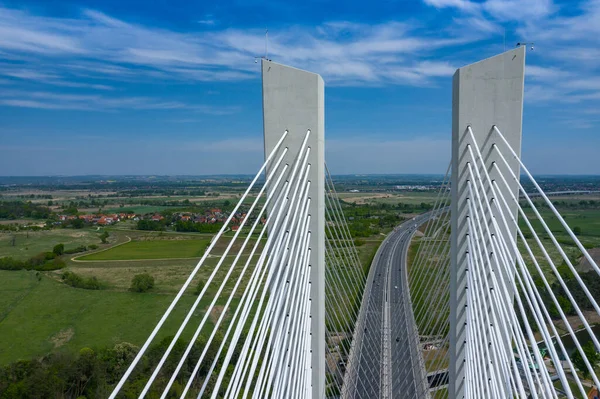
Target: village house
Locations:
point(157, 218)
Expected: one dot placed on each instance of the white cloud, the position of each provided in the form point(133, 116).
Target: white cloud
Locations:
point(96, 102)
point(544, 73)
point(519, 10)
point(563, 68)
point(343, 52)
point(464, 5)
point(501, 10)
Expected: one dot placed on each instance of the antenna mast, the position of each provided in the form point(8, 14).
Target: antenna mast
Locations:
point(266, 44)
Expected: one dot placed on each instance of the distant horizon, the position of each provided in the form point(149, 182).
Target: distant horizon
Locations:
point(251, 175)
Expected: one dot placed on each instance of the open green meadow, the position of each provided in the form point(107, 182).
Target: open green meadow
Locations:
point(152, 249)
point(28, 244)
point(588, 220)
point(39, 315)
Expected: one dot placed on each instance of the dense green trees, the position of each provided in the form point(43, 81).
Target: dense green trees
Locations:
point(190, 226)
point(20, 209)
point(593, 357)
point(591, 280)
point(42, 262)
point(93, 373)
point(152, 225)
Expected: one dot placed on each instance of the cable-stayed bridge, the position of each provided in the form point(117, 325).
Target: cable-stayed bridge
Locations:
point(475, 299)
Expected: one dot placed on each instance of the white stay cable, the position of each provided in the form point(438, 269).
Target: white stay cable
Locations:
point(567, 261)
point(561, 281)
point(286, 320)
point(274, 281)
point(204, 289)
point(545, 376)
point(483, 301)
point(192, 274)
point(250, 292)
point(441, 200)
point(281, 285)
point(338, 209)
point(249, 358)
point(504, 299)
point(272, 237)
point(483, 190)
point(252, 288)
point(530, 287)
point(225, 280)
point(550, 205)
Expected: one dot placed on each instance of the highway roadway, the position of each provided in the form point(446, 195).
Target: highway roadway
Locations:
point(385, 362)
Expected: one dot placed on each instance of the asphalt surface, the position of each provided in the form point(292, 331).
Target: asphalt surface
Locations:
point(386, 357)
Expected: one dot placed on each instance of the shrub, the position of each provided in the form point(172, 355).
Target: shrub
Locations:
point(58, 249)
point(577, 230)
point(92, 247)
point(9, 263)
point(56, 264)
point(104, 237)
point(142, 282)
point(81, 248)
point(75, 280)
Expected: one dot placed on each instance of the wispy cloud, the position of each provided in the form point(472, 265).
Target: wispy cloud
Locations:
point(96, 102)
point(564, 66)
point(208, 20)
point(501, 10)
point(344, 52)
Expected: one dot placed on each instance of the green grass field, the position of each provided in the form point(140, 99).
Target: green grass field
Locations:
point(152, 249)
point(37, 317)
point(586, 219)
point(28, 245)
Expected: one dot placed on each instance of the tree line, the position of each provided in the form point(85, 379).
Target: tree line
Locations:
point(93, 373)
point(19, 209)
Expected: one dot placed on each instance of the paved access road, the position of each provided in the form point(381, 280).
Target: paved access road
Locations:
point(386, 357)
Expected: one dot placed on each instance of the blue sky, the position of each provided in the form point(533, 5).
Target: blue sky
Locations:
point(171, 87)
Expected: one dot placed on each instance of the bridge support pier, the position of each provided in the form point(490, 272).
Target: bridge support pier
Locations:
point(293, 100)
point(484, 94)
